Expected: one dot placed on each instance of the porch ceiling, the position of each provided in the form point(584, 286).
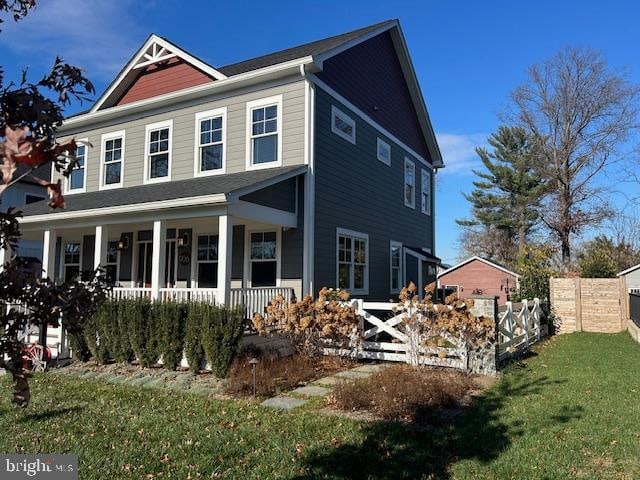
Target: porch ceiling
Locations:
point(216, 188)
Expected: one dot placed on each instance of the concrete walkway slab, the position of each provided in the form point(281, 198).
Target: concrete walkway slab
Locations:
point(328, 381)
point(283, 403)
point(353, 375)
point(312, 391)
point(369, 368)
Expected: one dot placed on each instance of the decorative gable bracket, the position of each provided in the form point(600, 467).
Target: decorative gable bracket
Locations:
point(156, 53)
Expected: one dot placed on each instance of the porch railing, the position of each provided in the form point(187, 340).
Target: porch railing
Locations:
point(253, 300)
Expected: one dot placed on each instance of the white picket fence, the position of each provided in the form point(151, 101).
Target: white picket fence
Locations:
point(401, 346)
point(518, 330)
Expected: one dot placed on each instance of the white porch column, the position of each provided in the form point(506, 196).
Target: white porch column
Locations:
point(225, 241)
point(100, 247)
point(5, 256)
point(158, 258)
point(49, 254)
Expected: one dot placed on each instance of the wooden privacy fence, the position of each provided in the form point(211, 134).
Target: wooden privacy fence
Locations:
point(589, 304)
point(393, 340)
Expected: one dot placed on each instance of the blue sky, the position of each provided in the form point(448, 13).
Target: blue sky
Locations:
point(468, 54)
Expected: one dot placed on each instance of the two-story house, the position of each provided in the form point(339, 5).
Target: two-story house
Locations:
point(306, 168)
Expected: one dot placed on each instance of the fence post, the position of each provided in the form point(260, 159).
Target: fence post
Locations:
point(536, 318)
point(578, 304)
point(524, 313)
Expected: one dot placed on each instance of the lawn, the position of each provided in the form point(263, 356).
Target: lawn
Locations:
point(570, 410)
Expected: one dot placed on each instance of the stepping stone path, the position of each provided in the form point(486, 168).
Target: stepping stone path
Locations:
point(321, 387)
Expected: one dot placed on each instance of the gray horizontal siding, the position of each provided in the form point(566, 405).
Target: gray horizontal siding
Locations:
point(354, 190)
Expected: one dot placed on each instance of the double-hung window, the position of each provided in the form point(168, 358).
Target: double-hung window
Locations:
point(158, 151)
point(264, 118)
point(78, 177)
point(395, 265)
point(71, 260)
point(112, 160)
point(343, 125)
point(264, 259)
point(210, 137)
point(425, 192)
point(207, 258)
point(409, 183)
point(112, 262)
point(353, 261)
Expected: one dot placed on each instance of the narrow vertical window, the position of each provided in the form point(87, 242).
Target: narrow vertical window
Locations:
point(210, 146)
point(78, 173)
point(158, 151)
point(71, 261)
point(425, 192)
point(409, 183)
point(113, 161)
point(395, 261)
point(112, 262)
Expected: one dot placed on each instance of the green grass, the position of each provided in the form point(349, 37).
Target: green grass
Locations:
point(571, 411)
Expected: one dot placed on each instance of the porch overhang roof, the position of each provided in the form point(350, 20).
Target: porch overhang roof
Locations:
point(203, 191)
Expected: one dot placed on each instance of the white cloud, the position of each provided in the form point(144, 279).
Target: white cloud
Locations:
point(96, 35)
point(458, 151)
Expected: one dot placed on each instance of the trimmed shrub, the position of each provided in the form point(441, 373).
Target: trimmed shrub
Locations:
point(193, 350)
point(221, 334)
point(79, 346)
point(171, 318)
point(94, 333)
point(143, 333)
point(119, 345)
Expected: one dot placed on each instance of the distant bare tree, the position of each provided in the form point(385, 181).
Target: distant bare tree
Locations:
point(581, 112)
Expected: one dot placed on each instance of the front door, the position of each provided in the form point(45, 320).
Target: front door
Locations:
point(143, 274)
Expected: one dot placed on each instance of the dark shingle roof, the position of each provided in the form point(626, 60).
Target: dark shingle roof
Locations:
point(312, 48)
point(194, 187)
point(426, 254)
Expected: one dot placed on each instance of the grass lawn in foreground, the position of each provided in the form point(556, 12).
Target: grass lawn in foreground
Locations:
point(571, 410)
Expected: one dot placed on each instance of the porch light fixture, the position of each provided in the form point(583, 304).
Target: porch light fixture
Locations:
point(183, 240)
point(123, 243)
point(253, 362)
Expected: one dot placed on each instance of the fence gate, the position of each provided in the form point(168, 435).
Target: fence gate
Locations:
point(391, 339)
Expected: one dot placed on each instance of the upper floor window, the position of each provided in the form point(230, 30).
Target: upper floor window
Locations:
point(384, 152)
point(78, 177)
point(343, 125)
point(265, 135)
point(112, 159)
point(409, 183)
point(425, 192)
point(210, 131)
point(158, 151)
point(353, 261)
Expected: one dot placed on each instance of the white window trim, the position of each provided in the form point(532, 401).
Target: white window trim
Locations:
point(263, 102)
point(425, 174)
point(392, 244)
point(378, 144)
point(147, 167)
point(361, 236)
point(117, 263)
point(218, 112)
point(336, 112)
point(194, 255)
point(247, 254)
point(103, 140)
point(411, 204)
point(67, 182)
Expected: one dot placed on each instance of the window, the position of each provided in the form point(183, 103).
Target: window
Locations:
point(409, 183)
point(425, 192)
point(112, 160)
point(78, 175)
point(343, 125)
point(384, 152)
point(264, 118)
point(112, 262)
point(264, 261)
point(71, 260)
point(157, 165)
point(395, 260)
point(28, 198)
point(207, 258)
point(353, 260)
point(210, 131)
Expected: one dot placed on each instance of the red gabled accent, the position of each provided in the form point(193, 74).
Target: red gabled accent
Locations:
point(158, 79)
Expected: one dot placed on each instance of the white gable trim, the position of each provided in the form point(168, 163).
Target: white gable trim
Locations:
point(480, 259)
point(629, 270)
point(155, 49)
